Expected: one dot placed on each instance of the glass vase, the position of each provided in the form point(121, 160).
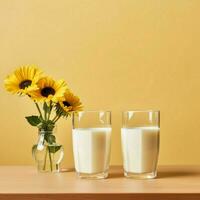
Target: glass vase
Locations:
point(47, 153)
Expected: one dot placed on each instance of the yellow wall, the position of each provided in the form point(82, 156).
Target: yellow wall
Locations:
point(115, 54)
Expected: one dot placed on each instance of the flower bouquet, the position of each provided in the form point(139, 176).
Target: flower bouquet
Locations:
point(53, 100)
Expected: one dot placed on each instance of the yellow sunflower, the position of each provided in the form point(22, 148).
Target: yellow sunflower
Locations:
point(23, 80)
point(49, 90)
point(70, 103)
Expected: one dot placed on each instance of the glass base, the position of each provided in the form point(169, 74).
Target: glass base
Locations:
point(148, 175)
point(54, 168)
point(101, 175)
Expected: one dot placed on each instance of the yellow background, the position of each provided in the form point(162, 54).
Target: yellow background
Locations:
point(116, 55)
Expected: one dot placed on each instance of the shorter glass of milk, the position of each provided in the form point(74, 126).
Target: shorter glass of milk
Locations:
point(140, 143)
point(91, 136)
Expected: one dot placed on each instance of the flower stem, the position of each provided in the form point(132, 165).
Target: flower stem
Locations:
point(39, 109)
point(54, 118)
point(45, 115)
point(45, 160)
point(51, 107)
point(50, 159)
point(57, 118)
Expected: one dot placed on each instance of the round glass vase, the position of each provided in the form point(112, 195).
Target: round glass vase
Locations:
point(47, 155)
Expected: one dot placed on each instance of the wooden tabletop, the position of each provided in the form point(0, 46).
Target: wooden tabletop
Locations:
point(173, 182)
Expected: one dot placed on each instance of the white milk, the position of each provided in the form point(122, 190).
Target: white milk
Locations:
point(91, 147)
point(140, 148)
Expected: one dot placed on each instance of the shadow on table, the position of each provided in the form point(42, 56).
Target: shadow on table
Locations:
point(116, 175)
point(177, 174)
point(162, 174)
point(63, 170)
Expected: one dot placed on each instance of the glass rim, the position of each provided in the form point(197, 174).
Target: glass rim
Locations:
point(141, 110)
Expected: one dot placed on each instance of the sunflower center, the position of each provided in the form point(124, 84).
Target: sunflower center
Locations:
point(66, 103)
point(24, 84)
point(47, 91)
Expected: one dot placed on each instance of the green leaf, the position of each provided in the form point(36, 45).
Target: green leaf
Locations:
point(33, 120)
point(54, 148)
point(50, 138)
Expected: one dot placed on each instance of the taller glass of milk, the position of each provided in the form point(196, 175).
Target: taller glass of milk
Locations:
point(91, 136)
point(140, 143)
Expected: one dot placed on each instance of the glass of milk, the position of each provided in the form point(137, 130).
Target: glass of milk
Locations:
point(91, 136)
point(140, 143)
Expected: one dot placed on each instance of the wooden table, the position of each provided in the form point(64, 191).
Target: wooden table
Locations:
point(173, 182)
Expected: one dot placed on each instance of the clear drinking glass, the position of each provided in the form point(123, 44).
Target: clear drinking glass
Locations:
point(140, 143)
point(91, 136)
